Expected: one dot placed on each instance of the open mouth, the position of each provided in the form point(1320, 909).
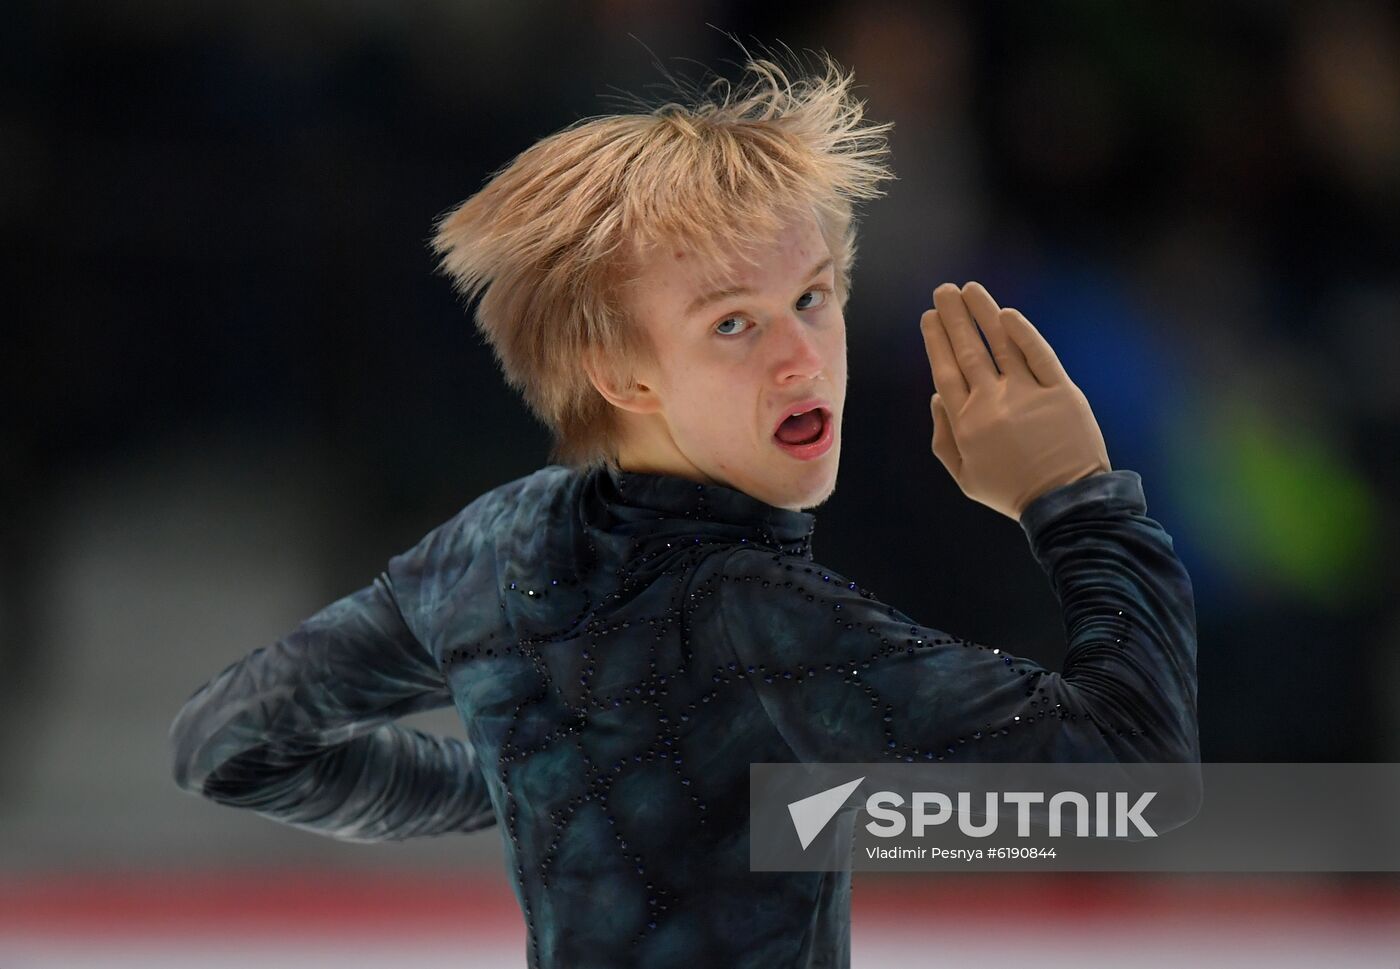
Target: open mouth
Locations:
point(803, 428)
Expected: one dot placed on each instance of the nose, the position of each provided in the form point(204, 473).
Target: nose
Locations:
point(798, 354)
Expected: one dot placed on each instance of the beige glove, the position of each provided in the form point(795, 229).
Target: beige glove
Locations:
point(1008, 437)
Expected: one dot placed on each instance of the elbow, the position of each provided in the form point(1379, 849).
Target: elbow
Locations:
point(183, 747)
point(1181, 745)
point(1179, 738)
point(1180, 796)
point(182, 769)
point(1178, 762)
point(182, 772)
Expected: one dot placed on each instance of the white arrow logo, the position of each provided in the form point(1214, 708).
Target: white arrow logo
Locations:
point(811, 814)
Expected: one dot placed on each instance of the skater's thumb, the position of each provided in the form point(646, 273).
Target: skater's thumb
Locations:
point(945, 446)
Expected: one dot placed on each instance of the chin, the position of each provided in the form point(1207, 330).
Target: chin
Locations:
point(820, 497)
point(813, 492)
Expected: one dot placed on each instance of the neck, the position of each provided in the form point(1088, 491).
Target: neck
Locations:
point(647, 448)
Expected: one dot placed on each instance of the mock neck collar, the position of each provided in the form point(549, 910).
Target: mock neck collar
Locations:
point(668, 502)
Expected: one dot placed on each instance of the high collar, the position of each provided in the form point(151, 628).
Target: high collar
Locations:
point(669, 505)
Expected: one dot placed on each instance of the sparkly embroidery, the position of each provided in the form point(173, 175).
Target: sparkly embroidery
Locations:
point(622, 646)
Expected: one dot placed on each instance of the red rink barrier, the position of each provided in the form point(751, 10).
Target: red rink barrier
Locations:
point(395, 903)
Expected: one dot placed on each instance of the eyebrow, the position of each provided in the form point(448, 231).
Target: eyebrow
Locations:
point(704, 300)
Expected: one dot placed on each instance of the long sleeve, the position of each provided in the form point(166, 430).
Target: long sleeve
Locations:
point(300, 731)
point(846, 678)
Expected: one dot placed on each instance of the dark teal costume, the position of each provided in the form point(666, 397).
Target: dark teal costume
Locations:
point(621, 647)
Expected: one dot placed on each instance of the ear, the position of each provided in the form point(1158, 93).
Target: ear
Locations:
point(615, 387)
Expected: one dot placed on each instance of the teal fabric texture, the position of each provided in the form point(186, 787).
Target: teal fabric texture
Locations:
point(621, 646)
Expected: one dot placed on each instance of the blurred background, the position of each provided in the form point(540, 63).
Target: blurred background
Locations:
point(237, 387)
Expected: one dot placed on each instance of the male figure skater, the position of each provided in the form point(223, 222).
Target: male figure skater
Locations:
point(625, 631)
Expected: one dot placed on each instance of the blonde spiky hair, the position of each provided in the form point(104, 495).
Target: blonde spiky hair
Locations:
point(555, 236)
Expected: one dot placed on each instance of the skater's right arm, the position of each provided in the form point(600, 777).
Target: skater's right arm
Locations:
point(301, 731)
point(845, 677)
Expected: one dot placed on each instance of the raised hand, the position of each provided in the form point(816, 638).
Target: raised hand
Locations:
point(1009, 425)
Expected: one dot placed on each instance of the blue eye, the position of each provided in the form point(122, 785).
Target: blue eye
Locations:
point(720, 326)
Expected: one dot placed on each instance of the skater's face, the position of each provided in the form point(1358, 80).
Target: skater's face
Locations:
point(730, 367)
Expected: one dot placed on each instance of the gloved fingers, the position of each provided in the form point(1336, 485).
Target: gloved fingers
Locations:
point(971, 353)
point(985, 310)
point(1039, 355)
point(947, 377)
